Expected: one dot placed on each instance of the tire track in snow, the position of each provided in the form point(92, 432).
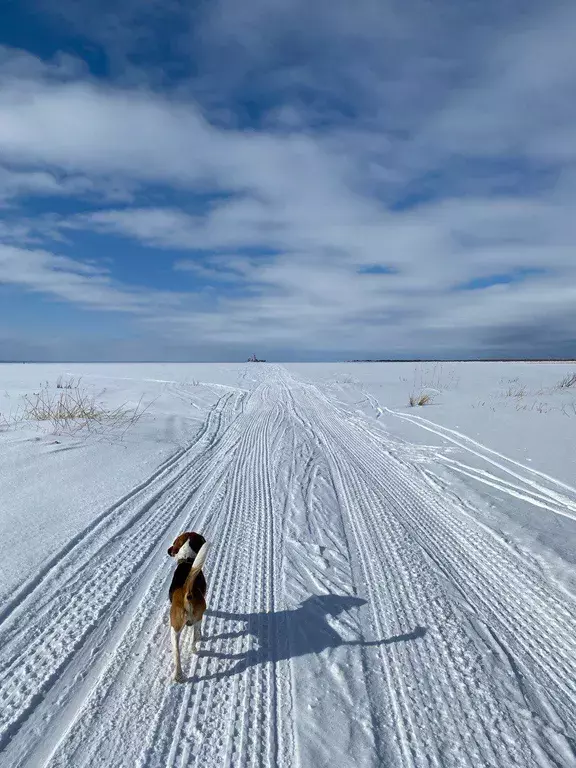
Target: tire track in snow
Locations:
point(423, 702)
point(319, 562)
point(131, 690)
point(249, 703)
point(406, 708)
point(169, 700)
point(92, 586)
point(81, 547)
point(201, 711)
point(488, 567)
point(560, 495)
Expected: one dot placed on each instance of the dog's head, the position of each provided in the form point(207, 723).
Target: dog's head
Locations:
point(190, 541)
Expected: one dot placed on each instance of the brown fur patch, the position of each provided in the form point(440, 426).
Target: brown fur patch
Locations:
point(187, 594)
point(186, 607)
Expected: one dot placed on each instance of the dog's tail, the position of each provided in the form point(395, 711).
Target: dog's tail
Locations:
point(199, 560)
point(197, 566)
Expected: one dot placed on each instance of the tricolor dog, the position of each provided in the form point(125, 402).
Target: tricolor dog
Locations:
point(187, 591)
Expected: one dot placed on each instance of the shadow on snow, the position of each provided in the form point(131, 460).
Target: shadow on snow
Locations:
point(284, 635)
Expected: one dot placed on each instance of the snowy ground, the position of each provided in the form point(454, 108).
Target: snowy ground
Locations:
point(388, 586)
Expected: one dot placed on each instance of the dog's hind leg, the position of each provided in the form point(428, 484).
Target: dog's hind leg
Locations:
point(177, 676)
point(198, 637)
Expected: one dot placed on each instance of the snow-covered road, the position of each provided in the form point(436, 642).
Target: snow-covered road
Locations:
point(360, 612)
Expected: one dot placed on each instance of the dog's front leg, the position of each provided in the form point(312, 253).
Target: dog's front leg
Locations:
point(177, 677)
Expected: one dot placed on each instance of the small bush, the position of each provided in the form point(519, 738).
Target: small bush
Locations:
point(422, 399)
point(568, 381)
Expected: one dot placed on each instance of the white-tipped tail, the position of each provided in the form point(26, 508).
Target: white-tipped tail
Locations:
point(200, 558)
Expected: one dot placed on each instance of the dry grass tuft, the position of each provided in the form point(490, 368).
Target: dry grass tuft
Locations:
point(422, 399)
point(74, 409)
point(517, 390)
point(71, 383)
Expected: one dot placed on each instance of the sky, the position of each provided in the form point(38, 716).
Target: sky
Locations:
point(303, 179)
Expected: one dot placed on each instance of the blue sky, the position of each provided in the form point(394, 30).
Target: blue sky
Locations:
point(312, 181)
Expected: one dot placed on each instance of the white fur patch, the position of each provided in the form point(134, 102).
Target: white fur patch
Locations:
point(186, 552)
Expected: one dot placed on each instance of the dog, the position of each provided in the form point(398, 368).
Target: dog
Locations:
point(187, 591)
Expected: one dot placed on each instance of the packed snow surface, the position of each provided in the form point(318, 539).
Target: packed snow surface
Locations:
point(388, 586)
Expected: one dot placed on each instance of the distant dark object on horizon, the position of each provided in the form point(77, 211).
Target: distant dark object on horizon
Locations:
point(254, 359)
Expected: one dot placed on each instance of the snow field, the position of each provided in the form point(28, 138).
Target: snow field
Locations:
point(364, 605)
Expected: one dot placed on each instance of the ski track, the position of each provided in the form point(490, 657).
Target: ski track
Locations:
point(531, 485)
point(459, 650)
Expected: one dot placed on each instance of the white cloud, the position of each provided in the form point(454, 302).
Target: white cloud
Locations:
point(80, 283)
point(316, 198)
point(521, 103)
point(162, 227)
point(22, 183)
point(313, 291)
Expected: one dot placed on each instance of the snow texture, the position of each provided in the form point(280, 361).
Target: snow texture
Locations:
point(387, 586)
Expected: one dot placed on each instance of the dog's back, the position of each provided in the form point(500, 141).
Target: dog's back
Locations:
point(179, 579)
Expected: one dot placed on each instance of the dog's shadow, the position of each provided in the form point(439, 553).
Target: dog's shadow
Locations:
point(284, 635)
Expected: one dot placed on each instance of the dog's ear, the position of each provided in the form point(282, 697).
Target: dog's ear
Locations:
point(196, 540)
point(176, 544)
